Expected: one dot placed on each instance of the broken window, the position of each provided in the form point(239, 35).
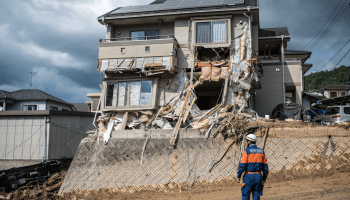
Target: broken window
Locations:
point(109, 97)
point(123, 90)
point(135, 93)
point(332, 111)
point(211, 32)
point(126, 94)
point(146, 92)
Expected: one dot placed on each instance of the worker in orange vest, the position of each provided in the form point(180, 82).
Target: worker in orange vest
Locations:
point(252, 164)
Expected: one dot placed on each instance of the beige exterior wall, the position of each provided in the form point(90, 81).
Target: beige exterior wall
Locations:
point(132, 51)
point(292, 73)
point(182, 32)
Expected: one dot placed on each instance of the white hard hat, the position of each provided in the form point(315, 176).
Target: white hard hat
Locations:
point(251, 137)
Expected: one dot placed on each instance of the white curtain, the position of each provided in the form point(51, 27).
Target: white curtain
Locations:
point(219, 31)
point(203, 32)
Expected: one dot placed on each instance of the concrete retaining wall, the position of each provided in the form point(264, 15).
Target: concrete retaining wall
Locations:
point(118, 164)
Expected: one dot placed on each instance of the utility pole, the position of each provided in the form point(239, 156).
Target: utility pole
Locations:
point(31, 78)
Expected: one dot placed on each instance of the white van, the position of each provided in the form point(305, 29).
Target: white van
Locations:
point(336, 114)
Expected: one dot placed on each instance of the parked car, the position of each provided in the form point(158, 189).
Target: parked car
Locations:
point(336, 114)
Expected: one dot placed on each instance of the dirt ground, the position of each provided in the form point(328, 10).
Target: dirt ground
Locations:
point(333, 185)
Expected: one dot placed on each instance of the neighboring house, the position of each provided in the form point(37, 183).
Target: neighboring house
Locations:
point(81, 107)
point(92, 105)
point(32, 99)
point(148, 48)
point(283, 81)
point(310, 98)
point(333, 91)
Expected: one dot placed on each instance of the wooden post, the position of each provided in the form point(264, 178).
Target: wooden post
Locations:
point(225, 92)
point(265, 137)
point(125, 120)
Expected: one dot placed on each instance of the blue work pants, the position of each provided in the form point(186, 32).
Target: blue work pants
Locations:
point(252, 183)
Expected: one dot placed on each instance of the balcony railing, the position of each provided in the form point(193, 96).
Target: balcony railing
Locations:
point(155, 37)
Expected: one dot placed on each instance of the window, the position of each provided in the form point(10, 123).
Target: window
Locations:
point(332, 111)
point(147, 49)
point(29, 107)
point(129, 94)
point(53, 108)
point(144, 35)
point(211, 32)
point(333, 94)
point(2, 106)
point(343, 93)
point(122, 50)
point(347, 110)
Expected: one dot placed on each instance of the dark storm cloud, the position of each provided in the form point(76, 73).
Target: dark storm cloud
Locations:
point(305, 20)
point(58, 39)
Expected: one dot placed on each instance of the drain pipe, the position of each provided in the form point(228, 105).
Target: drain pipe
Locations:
point(45, 145)
point(282, 59)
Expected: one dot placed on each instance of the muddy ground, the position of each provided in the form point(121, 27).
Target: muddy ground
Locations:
point(283, 185)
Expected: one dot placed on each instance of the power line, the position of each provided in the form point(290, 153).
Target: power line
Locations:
point(341, 59)
point(313, 28)
point(322, 26)
point(335, 55)
point(334, 21)
point(344, 31)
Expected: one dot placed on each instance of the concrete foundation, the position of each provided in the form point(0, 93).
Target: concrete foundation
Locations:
point(117, 165)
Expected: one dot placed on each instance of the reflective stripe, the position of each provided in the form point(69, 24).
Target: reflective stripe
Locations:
point(244, 157)
point(256, 158)
point(252, 172)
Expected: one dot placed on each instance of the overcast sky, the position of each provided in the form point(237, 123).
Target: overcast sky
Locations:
point(58, 39)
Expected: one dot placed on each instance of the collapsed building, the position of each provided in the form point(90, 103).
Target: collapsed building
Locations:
point(203, 71)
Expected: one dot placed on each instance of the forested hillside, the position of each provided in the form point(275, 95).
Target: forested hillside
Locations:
point(319, 80)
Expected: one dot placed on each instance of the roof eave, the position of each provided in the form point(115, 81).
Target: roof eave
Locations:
point(187, 11)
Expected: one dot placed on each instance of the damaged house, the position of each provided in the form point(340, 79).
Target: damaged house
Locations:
point(193, 64)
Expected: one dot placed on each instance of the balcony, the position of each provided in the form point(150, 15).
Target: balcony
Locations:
point(138, 53)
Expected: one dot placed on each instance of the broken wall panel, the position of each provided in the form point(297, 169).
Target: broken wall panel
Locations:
point(135, 93)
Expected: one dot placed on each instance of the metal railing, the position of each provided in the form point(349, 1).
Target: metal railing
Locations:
point(153, 37)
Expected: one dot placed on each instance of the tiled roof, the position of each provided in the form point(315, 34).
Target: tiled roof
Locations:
point(35, 94)
point(274, 32)
point(5, 94)
point(81, 107)
point(336, 87)
point(314, 95)
point(307, 65)
point(296, 52)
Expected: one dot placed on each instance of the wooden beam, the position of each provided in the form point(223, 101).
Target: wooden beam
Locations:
point(189, 109)
point(210, 112)
point(125, 120)
point(265, 137)
point(176, 130)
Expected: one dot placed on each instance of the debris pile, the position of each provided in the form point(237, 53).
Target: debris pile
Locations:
point(48, 190)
